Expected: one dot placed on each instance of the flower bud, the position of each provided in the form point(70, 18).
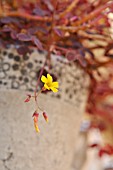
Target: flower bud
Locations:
point(45, 116)
point(28, 98)
point(36, 115)
point(36, 127)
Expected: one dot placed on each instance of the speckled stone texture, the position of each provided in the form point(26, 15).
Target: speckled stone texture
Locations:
point(59, 146)
point(21, 72)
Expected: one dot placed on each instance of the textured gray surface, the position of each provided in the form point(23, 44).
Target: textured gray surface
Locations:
point(22, 148)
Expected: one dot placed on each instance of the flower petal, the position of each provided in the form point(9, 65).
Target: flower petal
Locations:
point(44, 79)
point(55, 84)
point(49, 77)
point(46, 87)
point(54, 89)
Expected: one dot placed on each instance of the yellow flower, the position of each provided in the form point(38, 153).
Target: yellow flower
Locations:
point(49, 84)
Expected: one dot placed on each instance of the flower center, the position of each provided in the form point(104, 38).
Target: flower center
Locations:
point(49, 84)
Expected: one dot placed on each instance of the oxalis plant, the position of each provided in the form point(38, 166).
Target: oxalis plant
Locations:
point(78, 30)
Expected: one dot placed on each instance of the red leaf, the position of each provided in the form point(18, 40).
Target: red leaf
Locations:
point(49, 5)
point(101, 152)
point(70, 56)
point(74, 18)
point(101, 126)
point(76, 55)
point(58, 32)
point(40, 12)
point(23, 50)
point(37, 42)
point(108, 149)
point(24, 37)
point(94, 145)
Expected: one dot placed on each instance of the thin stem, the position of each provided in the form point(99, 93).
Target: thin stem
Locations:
point(51, 39)
point(93, 14)
point(36, 95)
point(41, 109)
point(1, 7)
point(38, 81)
point(70, 8)
point(27, 16)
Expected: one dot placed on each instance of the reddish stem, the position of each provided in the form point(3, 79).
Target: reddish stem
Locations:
point(93, 14)
point(38, 81)
point(27, 16)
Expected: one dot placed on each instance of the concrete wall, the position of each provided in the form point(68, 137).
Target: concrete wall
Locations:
point(59, 146)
